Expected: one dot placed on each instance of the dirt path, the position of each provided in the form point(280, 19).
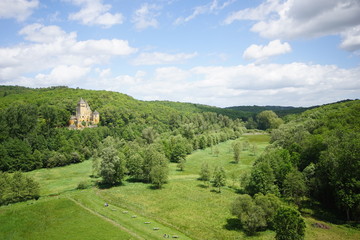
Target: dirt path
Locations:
point(106, 219)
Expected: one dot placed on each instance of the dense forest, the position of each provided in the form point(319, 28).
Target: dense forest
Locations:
point(34, 123)
point(316, 157)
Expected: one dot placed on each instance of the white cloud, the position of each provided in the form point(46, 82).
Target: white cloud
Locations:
point(351, 39)
point(211, 7)
point(156, 58)
point(18, 9)
point(45, 34)
point(297, 84)
point(51, 47)
point(294, 19)
point(261, 52)
point(61, 75)
point(94, 12)
point(145, 16)
point(259, 13)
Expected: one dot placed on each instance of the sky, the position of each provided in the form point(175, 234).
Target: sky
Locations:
point(215, 52)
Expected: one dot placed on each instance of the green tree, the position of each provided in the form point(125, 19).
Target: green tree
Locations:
point(237, 150)
point(181, 164)
point(262, 180)
point(219, 178)
point(149, 134)
point(112, 167)
point(250, 215)
point(159, 171)
point(134, 165)
point(295, 186)
point(205, 174)
point(270, 205)
point(289, 225)
point(268, 120)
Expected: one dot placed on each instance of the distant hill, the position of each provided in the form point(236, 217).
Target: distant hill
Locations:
point(281, 111)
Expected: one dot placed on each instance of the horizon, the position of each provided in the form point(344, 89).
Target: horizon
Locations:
point(214, 52)
point(194, 103)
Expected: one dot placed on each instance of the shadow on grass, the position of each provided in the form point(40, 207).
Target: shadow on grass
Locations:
point(233, 224)
point(102, 185)
point(153, 187)
point(317, 211)
point(203, 186)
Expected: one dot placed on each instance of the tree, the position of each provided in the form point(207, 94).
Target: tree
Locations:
point(134, 164)
point(268, 120)
point(112, 167)
point(216, 151)
point(237, 150)
point(270, 205)
point(250, 215)
point(205, 174)
point(159, 171)
point(149, 135)
point(294, 186)
point(262, 180)
point(289, 225)
point(181, 164)
point(219, 178)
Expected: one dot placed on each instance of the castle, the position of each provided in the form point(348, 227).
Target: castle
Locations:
point(84, 116)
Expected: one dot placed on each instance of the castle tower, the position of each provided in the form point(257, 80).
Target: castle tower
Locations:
point(83, 111)
point(96, 117)
point(84, 116)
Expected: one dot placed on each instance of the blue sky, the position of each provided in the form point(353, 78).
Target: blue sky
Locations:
point(215, 52)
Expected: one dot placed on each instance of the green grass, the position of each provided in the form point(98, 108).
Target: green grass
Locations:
point(62, 179)
point(184, 207)
point(54, 219)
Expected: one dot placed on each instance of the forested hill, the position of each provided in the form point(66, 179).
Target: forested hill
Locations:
point(197, 108)
point(67, 98)
point(281, 111)
point(34, 134)
point(321, 147)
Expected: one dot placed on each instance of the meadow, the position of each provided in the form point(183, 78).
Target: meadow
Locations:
point(185, 208)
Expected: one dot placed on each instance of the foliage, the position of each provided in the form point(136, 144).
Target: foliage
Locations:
point(237, 150)
point(289, 225)
point(112, 167)
point(255, 214)
point(219, 178)
point(268, 120)
point(205, 174)
point(16, 188)
point(323, 144)
point(294, 186)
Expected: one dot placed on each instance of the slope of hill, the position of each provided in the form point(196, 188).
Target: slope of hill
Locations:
point(281, 111)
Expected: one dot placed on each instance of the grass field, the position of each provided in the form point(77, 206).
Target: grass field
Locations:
point(185, 207)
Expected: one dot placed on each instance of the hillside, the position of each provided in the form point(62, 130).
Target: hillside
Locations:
point(281, 111)
point(34, 124)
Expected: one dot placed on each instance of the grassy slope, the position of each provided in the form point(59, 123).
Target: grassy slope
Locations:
point(54, 219)
point(185, 207)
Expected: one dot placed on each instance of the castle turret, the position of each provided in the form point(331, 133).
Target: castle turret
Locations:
point(84, 116)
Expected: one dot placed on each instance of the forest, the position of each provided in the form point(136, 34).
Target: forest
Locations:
point(313, 161)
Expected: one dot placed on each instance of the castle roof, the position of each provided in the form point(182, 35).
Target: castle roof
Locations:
point(96, 112)
point(82, 101)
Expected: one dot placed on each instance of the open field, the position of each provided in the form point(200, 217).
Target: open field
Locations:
point(185, 207)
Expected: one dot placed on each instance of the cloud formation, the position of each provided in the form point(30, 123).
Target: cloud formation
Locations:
point(18, 9)
point(261, 52)
point(94, 12)
point(295, 84)
point(52, 49)
point(211, 7)
point(156, 58)
point(298, 19)
point(145, 16)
